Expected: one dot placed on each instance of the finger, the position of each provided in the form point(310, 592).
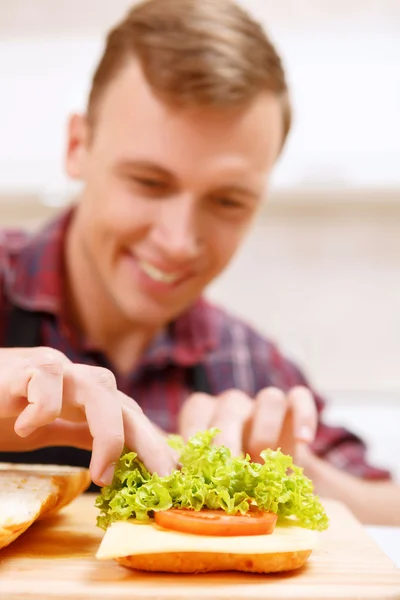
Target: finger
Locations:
point(270, 410)
point(150, 445)
point(67, 433)
point(12, 402)
point(40, 381)
point(97, 395)
point(129, 403)
point(58, 433)
point(305, 414)
point(196, 414)
point(233, 409)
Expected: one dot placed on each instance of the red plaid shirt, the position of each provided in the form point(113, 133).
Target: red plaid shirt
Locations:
point(232, 353)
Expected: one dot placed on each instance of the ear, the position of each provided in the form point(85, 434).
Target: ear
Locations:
point(77, 146)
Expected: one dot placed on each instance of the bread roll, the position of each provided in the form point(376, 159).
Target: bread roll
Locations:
point(206, 562)
point(32, 492)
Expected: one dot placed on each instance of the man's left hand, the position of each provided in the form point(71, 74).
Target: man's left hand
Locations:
point(273, 419)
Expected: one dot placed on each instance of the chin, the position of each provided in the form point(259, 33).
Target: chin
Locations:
point(146, 314)
point(147, 310)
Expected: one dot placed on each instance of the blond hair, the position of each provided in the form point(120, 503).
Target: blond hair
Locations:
point(194, 53)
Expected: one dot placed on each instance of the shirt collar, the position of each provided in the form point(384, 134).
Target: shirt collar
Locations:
point(36, 283)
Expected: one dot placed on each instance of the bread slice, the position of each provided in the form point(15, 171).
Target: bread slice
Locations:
point(32, 492)
point(206, 562)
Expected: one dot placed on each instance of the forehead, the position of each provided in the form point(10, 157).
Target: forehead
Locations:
point(132, 120)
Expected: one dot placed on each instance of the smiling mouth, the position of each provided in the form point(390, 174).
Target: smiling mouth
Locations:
point(157, 274)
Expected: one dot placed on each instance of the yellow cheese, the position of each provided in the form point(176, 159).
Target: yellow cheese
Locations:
point(126, 538)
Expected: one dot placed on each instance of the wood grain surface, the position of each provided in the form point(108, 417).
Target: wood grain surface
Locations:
point(55, 559)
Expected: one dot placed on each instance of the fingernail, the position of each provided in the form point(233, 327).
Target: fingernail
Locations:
point(108, 475)
point(167, 466)
point(24, 431)
point(165, 470)
point(305, 434)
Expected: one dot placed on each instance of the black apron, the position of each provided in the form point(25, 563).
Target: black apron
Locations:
point(23, 331)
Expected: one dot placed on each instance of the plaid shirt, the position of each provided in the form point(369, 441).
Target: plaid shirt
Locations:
point(232, 353)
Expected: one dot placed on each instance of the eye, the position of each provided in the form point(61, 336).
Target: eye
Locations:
point(149, 187)
point(226, 202)
point(148, 182)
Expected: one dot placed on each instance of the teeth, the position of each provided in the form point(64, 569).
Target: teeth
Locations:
point(158, 275)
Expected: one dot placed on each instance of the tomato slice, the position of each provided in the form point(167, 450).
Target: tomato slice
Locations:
point(217, 522)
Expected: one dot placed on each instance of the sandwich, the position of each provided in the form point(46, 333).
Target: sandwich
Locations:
point(29, 493)
point(215, 513)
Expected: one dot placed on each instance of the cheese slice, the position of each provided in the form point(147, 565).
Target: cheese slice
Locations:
point(128, 538)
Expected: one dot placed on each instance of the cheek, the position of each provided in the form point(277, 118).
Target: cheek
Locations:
point(223, 245)
point(115, 213)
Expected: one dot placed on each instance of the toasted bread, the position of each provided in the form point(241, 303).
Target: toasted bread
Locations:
point(32, 492)
point(206, 562)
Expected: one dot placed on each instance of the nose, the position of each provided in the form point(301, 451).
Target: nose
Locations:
point(176, 232)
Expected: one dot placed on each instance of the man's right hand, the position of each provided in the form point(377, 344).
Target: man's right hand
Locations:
point(46, 400)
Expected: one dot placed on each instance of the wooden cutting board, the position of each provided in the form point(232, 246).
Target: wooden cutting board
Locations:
point(55, 560)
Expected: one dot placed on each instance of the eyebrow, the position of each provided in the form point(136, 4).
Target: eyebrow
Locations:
point(241, 190)
point(145, 165)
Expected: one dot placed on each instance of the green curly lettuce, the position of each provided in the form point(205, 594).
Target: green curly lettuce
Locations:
point(210, 477)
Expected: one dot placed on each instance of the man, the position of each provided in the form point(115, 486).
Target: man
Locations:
point(106, 339)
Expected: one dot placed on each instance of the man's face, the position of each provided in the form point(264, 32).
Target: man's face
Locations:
point(168, 193)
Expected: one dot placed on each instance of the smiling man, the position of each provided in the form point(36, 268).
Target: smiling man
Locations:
point(105, 337)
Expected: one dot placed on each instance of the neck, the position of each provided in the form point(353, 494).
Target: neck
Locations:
point(93, 312)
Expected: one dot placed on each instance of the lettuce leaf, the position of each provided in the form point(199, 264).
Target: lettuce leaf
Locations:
point(210, 477)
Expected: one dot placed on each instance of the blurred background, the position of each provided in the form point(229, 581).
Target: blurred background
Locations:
point(320, 272)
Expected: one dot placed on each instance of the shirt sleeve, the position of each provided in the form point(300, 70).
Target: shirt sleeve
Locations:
point(9, 240)
point(3, 265)
point(243, 358)
point(337, 445)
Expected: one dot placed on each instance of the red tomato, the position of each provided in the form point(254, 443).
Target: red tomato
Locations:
point(217, 522)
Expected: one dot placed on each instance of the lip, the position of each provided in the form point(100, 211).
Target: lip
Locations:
point(165, 267)
point(148, 282)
